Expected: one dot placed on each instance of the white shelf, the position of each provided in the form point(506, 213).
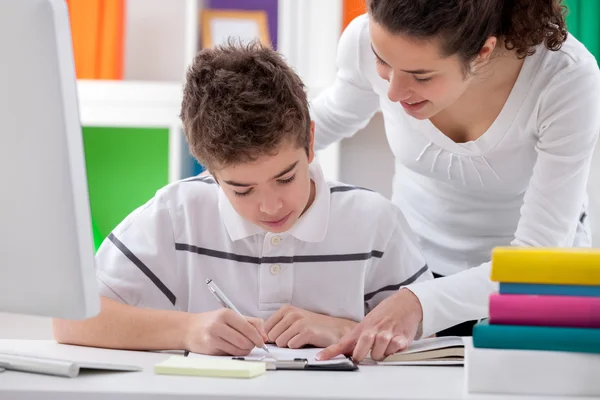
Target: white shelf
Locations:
point(136, 104)
point(129, 103)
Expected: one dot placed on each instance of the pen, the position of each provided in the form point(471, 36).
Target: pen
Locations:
point(221, 298)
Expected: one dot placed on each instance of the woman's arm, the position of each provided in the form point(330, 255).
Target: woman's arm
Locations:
point(569, 124)
point(348, 105)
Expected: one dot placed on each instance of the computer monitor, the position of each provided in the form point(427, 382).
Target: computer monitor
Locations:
point(46, 243)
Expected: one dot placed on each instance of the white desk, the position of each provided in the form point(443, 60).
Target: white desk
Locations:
point(370, 382)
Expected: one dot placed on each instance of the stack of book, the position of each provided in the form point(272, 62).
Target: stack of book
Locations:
point(543, 331)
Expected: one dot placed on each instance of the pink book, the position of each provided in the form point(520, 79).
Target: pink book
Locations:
point(523, 309)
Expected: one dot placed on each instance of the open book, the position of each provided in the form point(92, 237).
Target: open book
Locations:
point(448, 350)
point(435, 351)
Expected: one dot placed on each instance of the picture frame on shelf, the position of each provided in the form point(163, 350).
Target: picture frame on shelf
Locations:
point(219, 25)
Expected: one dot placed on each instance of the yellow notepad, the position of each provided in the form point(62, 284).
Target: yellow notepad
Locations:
point(211, 367)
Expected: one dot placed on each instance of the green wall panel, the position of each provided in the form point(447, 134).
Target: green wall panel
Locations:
point(583, 21)
point(125, 168)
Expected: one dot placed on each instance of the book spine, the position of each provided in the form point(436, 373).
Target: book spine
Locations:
point(546, 266)
point(584, 340)
point(531, 372)
point(549, 290)
point(562, 311)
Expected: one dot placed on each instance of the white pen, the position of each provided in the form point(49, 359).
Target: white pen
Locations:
point(221, 298)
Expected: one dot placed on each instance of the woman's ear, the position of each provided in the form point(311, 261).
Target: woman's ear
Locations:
point(486, 52)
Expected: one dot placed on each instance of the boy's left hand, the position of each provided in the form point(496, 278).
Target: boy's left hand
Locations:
point(294, 327)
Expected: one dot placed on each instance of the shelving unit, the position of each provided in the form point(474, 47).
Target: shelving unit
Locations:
point(136, 104)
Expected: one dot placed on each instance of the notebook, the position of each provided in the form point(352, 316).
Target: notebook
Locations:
point(209, 367)
point(523, 337)
point(291, 359)
point(447, 350)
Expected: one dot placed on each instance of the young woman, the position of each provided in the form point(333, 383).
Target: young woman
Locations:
point(492, 111)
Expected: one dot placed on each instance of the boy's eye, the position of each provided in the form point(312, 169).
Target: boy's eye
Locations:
point(422, 79)
point(246, 193)
point(288, 180)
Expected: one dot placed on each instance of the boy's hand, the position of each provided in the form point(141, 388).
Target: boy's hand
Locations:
point(223, 332)
point(294, 327)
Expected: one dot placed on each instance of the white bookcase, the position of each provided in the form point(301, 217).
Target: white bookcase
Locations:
point(161, 40)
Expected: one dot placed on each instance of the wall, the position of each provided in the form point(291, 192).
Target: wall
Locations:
point(155, 40)
point(366, 159)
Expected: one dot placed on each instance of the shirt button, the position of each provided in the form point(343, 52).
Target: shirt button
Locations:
point(275, 269)
point(275, 240)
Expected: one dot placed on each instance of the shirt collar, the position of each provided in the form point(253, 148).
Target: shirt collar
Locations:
point(310, 227)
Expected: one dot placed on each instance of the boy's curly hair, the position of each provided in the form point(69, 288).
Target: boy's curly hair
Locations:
point(241, 102)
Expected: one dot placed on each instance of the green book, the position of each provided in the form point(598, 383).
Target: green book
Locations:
point(579, 340)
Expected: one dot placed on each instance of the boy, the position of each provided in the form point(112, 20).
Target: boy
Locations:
point(307, 256)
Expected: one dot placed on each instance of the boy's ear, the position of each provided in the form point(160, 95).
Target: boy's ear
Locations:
point(311, 145)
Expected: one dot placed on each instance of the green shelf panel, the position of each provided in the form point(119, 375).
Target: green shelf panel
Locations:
point(125, 168)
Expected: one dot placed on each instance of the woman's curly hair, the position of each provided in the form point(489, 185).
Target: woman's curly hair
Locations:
point(465, 25)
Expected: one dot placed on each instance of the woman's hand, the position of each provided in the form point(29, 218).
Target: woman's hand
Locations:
point(388, 328)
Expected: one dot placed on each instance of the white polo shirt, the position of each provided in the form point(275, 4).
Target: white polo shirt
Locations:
point(350, 250)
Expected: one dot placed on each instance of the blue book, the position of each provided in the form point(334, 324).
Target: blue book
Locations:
point(579, 340)
point(549, 290)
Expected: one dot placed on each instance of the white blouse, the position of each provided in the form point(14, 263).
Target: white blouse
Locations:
point(522, 183)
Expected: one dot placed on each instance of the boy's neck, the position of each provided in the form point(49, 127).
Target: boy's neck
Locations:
point(311, 198)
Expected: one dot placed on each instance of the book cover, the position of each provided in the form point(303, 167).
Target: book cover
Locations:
point(84, 16)
point(567, 311)
point(447, 348)
point(549, 290)
point(112, 38)
point(584, 340)
point(527, 372)
point(565, 266)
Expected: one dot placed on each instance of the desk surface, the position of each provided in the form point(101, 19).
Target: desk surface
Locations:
point(370, 382)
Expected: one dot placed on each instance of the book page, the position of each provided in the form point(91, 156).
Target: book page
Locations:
point(282, 354)
point(434, 343)
point(418, 346)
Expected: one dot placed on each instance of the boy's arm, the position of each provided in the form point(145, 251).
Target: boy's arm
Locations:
point(402, 263)
point(121, 326)
point(144, 296)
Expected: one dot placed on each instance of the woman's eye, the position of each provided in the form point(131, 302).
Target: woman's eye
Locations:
point(379, 61)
